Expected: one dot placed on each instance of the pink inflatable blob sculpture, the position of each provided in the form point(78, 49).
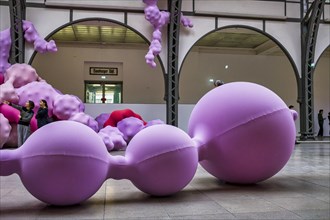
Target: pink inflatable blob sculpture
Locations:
point(112, 138)
point(31, 35)
point(86, 120)
point(158, 19)
point(244, 131)
point(130, 127)
point(102, 118)
point(65, 106)
point(21, 74)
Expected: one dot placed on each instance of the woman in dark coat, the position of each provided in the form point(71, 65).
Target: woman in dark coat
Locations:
point(42, 114)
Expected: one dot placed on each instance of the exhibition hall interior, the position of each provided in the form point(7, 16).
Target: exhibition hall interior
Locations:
point(165, 109)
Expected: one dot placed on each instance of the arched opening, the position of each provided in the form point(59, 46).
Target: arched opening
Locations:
point(97, 55)
point(321, 82)
point(237, 54)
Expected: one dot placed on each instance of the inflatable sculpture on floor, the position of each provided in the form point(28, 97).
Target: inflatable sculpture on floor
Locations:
point(239, 132)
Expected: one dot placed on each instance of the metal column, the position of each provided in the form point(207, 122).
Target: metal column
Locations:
point(17, 14)
point(309, 29)
point(172, 77)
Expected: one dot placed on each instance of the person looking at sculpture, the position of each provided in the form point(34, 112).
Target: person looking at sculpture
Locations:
point(321, 120)
point(23, 126)
point(42, 114)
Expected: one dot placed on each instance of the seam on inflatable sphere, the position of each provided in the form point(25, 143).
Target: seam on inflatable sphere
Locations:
point(264, 115)
point(164, 153)
point(63, 155)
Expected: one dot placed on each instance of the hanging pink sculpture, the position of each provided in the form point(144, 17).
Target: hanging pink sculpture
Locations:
point(158, 19)
point(31, 35)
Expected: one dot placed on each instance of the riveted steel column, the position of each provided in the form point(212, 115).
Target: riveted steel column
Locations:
point(172, 78)
point(17, 14)
point(309, 29)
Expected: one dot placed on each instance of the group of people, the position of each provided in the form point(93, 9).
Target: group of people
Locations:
point(26, 114)
point(321, 122)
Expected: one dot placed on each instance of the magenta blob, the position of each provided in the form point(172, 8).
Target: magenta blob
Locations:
point(12, 114)
point(164, 158)
point(246, 136)
point(62, 163)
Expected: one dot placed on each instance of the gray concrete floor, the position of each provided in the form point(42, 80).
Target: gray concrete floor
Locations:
point(299, 191)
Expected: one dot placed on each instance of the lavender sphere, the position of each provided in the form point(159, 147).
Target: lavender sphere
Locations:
point(161, 165)
point(63, 163)
point(244, 131)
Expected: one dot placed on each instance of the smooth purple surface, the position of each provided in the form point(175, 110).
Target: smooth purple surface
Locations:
point(239, 132)
point(62, 163)
point(160, 160)
point(247, 135)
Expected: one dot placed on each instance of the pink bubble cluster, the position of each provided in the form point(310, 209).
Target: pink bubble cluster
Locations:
point(35, 91)
point(31, 35)
point(65, 106)
point(21, 74)
point(86, 120)
point(112, 138)
point(130, 127)
point(158, 19)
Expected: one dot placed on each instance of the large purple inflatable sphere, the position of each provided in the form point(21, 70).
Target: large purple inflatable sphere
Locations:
point(63, 163)
point(245, 133)
point(164, 159)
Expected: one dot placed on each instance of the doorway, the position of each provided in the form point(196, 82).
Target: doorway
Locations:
point(103, 92)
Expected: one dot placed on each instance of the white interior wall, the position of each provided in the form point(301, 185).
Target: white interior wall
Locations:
point(65, 70)
point(144, 85)
point(252, 8)
point(5, 18)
